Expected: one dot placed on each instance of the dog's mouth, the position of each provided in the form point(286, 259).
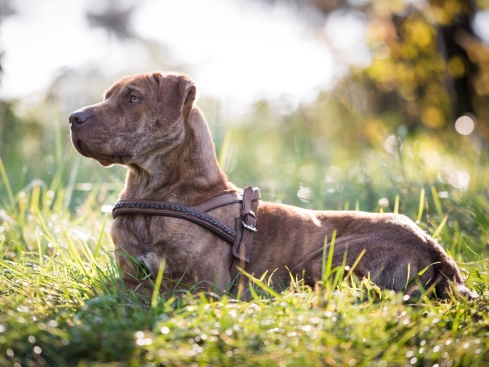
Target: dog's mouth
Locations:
point(104, 159)
point(79, 147)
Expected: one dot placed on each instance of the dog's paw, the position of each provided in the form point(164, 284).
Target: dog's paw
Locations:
point(465, 292)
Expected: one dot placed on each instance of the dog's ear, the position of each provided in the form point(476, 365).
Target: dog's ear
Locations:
point(176, 94)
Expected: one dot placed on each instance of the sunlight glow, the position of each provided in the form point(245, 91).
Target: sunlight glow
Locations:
point(346, 32)
point(481, 24)
point(304, 194)
point(107, 208)
point(443, 194)
point(459, 179)
point(235, 52)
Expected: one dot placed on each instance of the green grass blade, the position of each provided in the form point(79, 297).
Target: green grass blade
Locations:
point(99, 241)
point(440, 226)
point(421, 205)
point(159, 279)
point(6, 181)
point(329, 261)
point(226, 143)
point(350, 272)
point(418, 275)
point(260, 284)
point(396, 205)
point(436, 200)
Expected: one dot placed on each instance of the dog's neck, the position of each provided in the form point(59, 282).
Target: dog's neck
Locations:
point(188, 174)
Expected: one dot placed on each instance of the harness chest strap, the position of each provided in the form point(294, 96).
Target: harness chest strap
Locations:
point(241, 238)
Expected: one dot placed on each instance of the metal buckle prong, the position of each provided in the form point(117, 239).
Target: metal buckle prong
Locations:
point(249, 226)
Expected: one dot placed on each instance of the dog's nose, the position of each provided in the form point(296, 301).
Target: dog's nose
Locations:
point(79, 117)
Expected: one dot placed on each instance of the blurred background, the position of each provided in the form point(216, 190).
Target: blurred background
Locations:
point(378, 105)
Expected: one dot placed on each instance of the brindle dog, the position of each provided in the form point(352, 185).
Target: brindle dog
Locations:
point(151, 124)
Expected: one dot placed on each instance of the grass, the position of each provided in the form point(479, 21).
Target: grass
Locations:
point(61, 304)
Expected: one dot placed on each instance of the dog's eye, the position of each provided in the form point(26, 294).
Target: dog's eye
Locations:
point(134, 99)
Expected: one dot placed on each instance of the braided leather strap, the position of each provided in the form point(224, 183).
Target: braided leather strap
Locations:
point(166, 209)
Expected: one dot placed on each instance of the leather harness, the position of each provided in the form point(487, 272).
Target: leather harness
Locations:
point(241, 237)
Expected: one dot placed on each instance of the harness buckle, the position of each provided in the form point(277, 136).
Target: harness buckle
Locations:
point(249, 226)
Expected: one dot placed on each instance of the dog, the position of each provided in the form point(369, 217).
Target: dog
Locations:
point(150, 123)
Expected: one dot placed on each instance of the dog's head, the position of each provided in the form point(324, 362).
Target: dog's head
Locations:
point(141, 115)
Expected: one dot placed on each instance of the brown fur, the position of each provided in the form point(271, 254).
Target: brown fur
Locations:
point(163, 139)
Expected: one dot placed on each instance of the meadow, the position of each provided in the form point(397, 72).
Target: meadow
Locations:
point(61, 303)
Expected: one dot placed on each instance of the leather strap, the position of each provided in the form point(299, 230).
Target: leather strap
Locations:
point(226, 199)
point(241, 238)
point(245, 228)
point(167, 209)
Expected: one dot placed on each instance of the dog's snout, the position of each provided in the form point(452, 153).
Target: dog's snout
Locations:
point(79, 117)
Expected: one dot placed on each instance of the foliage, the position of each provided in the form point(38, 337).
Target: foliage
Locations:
point(427, 65)
point(62, 303)
point(431, 60)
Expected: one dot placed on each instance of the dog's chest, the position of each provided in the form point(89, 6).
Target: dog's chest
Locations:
point(166, 237)
point(140, 234)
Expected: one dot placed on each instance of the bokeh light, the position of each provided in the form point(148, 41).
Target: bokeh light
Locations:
point(390, 144)
point(459, 179)
point(383, 202)
point(464, 125)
